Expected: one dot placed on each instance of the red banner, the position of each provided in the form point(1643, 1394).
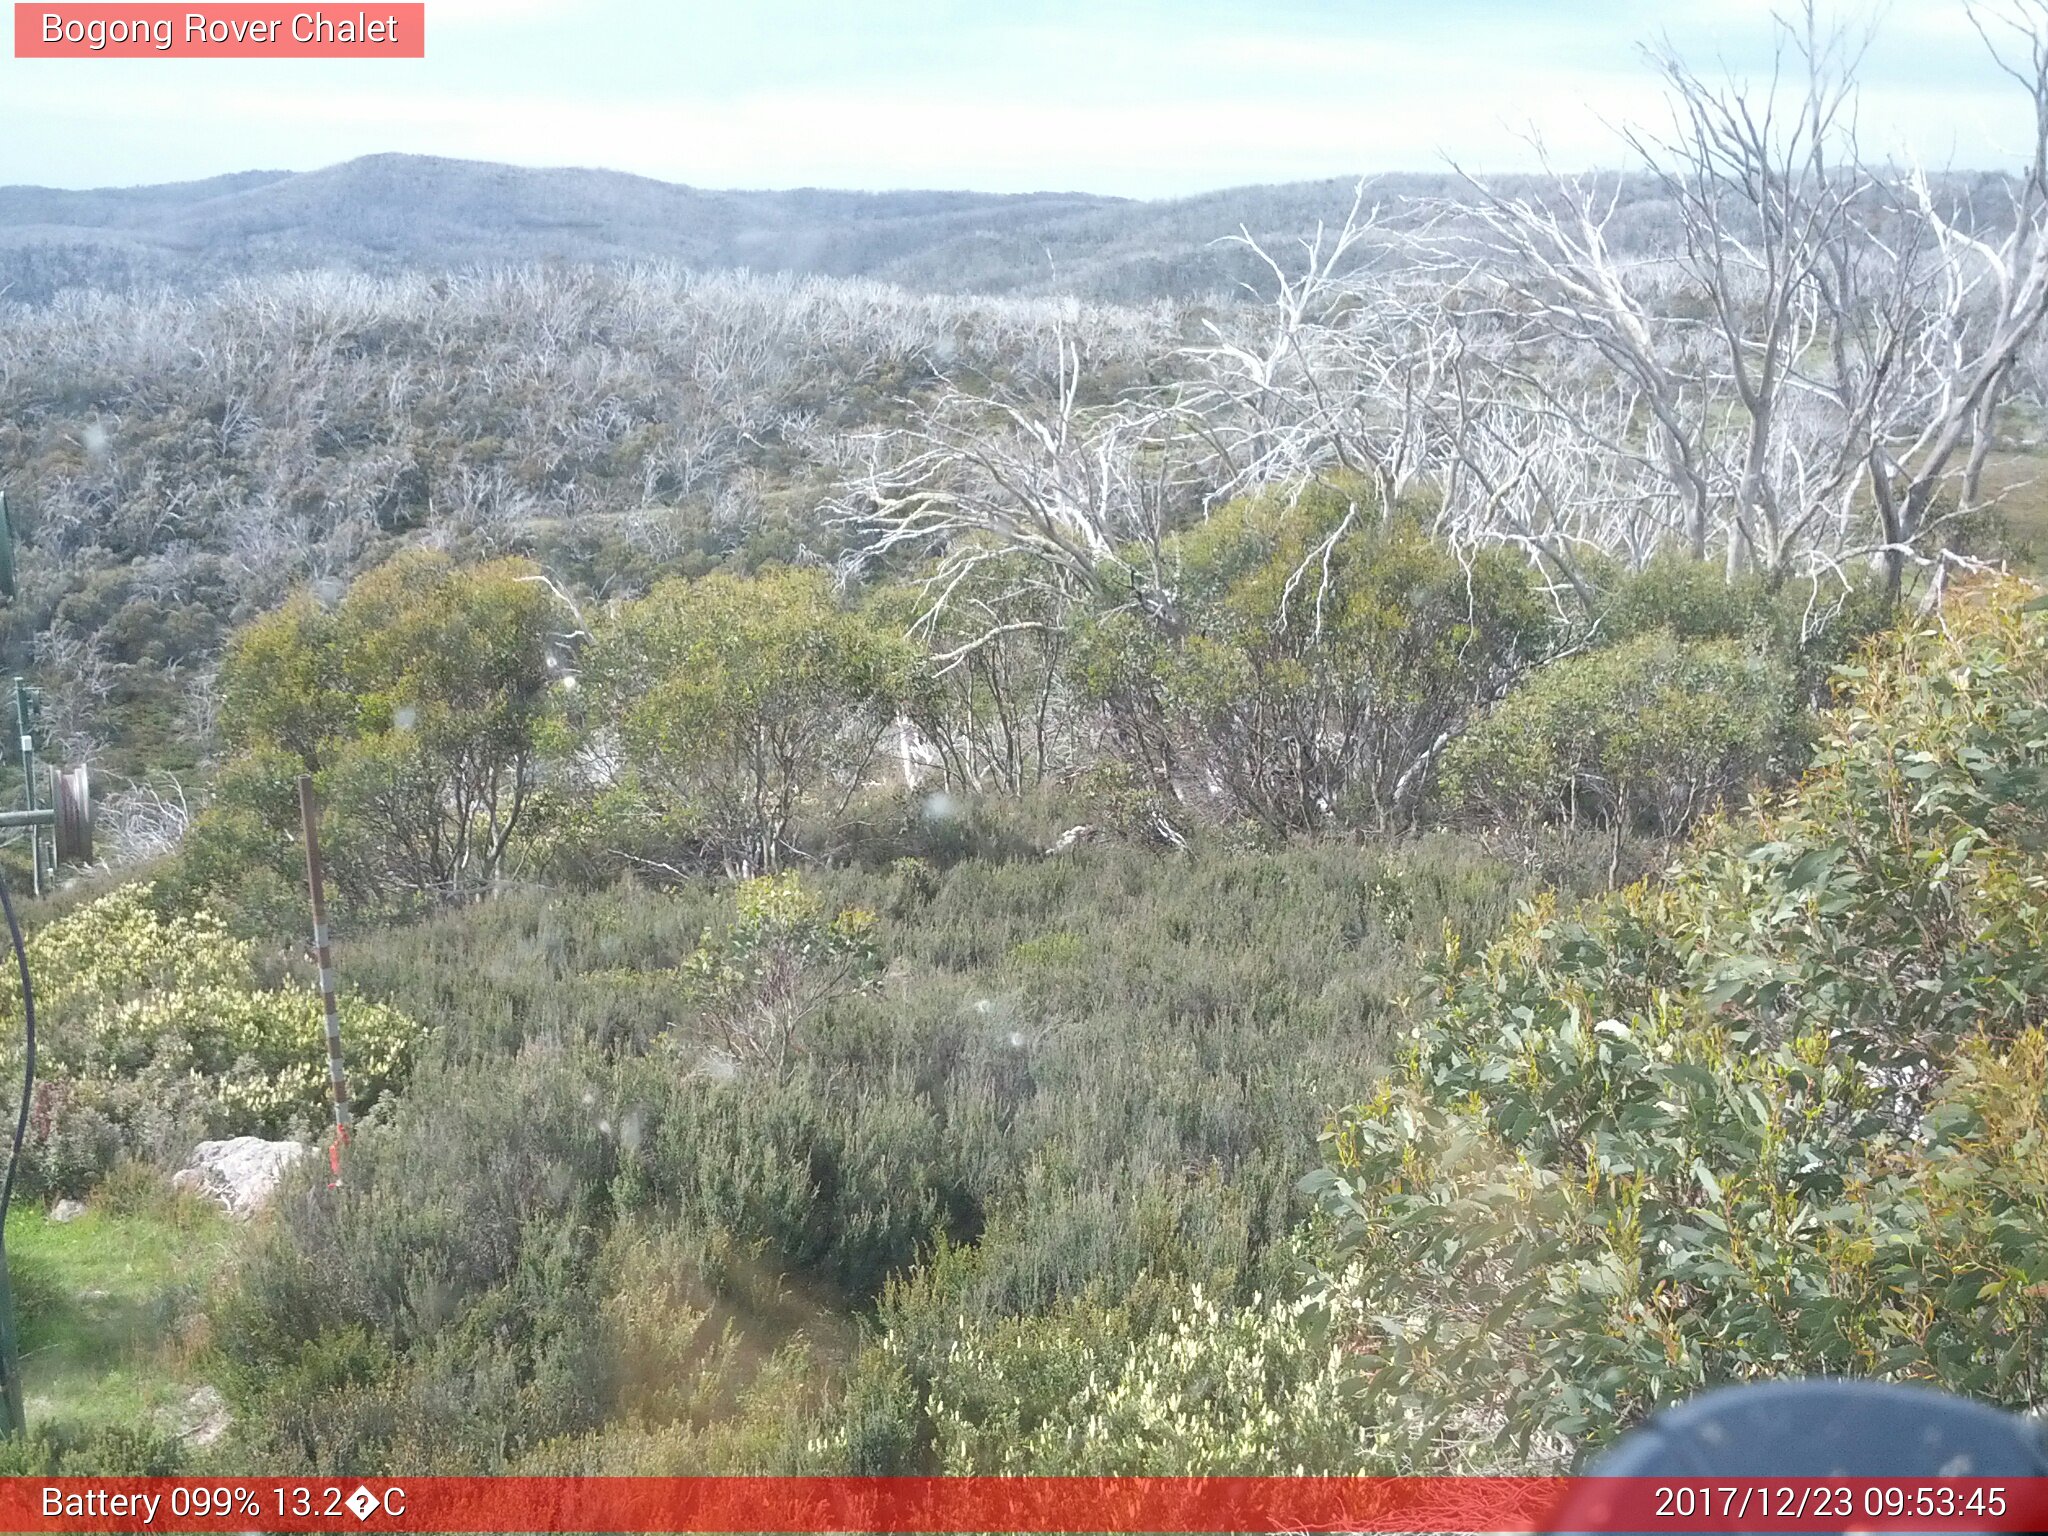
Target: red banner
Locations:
point(1034, 1504)
point(378, 30)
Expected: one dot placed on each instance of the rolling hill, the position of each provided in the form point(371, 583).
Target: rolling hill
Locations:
point(385, 213)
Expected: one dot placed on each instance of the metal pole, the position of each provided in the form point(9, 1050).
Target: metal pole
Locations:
point(309, 819)
point(28, 785)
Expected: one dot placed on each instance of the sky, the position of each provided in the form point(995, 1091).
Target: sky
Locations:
point(1140, 98)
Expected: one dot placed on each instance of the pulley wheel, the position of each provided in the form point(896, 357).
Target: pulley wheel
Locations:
point(74, 816)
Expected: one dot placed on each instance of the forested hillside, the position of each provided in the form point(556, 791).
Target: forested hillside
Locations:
point(1452, 840)
point(385, 215)
point(391, 214)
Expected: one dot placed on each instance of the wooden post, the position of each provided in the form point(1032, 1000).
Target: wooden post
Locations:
point(309, 819)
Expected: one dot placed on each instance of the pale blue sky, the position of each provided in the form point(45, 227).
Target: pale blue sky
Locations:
point(1140, 97)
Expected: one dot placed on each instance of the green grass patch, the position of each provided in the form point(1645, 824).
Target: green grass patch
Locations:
point(2016, 487)
point(110, 1311)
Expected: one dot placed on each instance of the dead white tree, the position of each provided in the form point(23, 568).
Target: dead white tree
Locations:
point(1085, 494)
point(1982, 296)
point(143, 820)
point(1815, 372)
point(1332, 372)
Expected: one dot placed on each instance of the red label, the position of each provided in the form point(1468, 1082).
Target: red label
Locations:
point(234, 31)
point(1521, 1506)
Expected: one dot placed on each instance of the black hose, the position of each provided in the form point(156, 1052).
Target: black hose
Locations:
point(28, 1069)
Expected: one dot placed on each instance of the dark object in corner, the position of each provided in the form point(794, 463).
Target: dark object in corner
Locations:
point(1819, 1429)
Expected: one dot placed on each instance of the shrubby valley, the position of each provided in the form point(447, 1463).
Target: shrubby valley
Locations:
point(1373, 849)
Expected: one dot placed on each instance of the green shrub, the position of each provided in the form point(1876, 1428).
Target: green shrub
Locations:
point(1807, 628)
point(420, 702)
point(1652, 733)
point(991, 704)
point(1780, 1115)
point(101, 1451)
point(734, 704)
point(153, 1034)
point(1691, 599)
point(755, 983)
point(1321, 651)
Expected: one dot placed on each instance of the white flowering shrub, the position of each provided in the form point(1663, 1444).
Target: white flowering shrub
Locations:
point(1259, 1389)
point(1270, 1387)
point(153, 1032)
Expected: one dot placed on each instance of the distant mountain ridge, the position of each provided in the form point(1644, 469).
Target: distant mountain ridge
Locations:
point(394, 212)
point(391, 212)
